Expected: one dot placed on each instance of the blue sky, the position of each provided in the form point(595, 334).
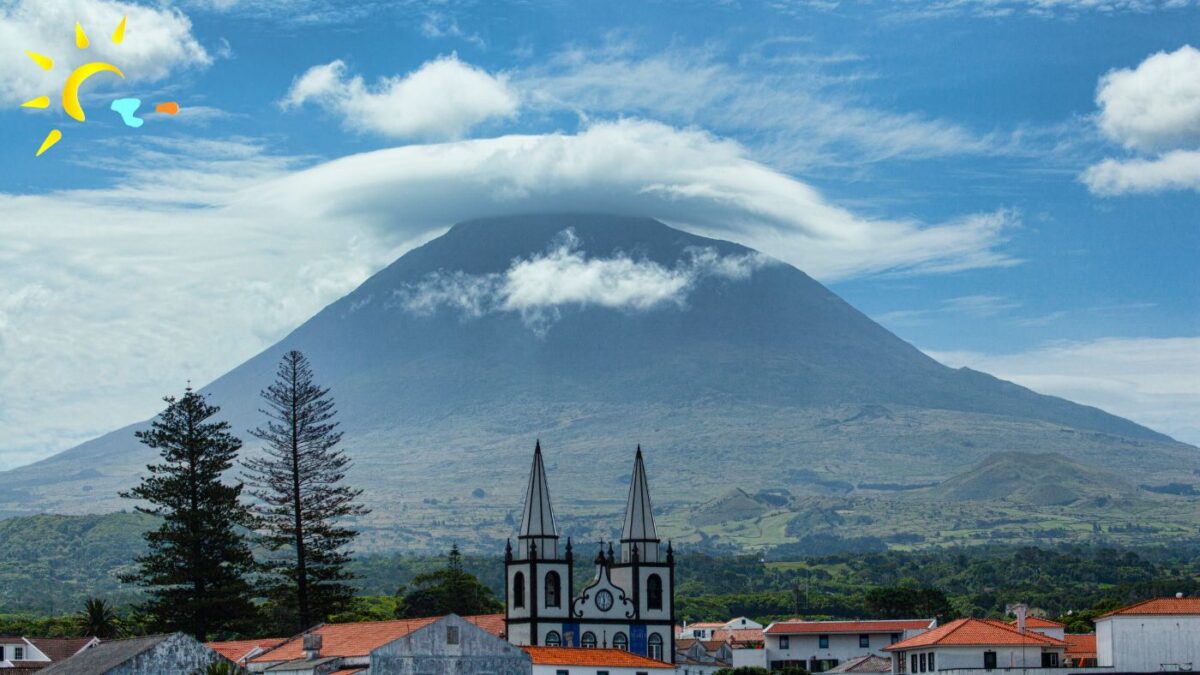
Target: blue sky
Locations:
point(1012, 185)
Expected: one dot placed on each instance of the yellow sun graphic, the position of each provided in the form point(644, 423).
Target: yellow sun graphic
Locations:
point(70, 92)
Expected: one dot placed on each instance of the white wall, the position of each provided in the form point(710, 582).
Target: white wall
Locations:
point(756, 658)
point(593, 670)
point(1144, 644)
point(949, 658)
point(841, 648)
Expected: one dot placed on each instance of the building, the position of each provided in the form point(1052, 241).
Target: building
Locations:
point(429, 646)
point(818, 646)
point(699, 657)
point(1081, 650)
point(971, 644)
point(153, 655)
point(598, 661)
point(1157, 635)
point(708, 630)
point(628, 605)
point(241, 651)
point(1053, 629)
point(19, 655)
point(864, 664)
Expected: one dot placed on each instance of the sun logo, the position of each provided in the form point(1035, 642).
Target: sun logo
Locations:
point(126, 107)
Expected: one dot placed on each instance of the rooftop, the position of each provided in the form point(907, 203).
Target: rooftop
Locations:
point(827, 627)
point(1174, 606)
point(975, 632)
point(363, 637)
point(579, 656)
point(236, 650)
point(1081, 645)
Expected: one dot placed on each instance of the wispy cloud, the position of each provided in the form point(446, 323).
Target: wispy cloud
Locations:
point(1152, 110)
point(539, 287)
point(1153, 381)
point(970, 306)
point(444, 98)
point(438, 25)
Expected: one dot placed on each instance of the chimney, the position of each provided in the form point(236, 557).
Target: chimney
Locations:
point(1179, 596)
point(312, 646)
point(1020, 610)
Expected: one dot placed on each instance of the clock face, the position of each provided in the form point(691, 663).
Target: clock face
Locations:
point(604, 600)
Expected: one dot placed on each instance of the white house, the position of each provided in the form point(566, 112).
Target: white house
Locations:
point(708, 630)
point(818, 646)
point(21, 652)
point(972, 644)
point(1152, 636)
point(1047, 627)
point(593, 661)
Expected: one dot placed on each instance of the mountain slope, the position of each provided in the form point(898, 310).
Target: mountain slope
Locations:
point(768, 380)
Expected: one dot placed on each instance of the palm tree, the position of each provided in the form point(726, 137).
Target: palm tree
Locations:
point(98, 619)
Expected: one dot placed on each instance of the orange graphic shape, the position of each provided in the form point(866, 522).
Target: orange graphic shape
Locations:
point(170, 108)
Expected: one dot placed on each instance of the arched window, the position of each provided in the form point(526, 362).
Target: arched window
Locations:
point(588, 641)
point(553, 589)
point(519, 589)
point(654, 592)
point(654, 646)
point(620, 641)
point(553, 639)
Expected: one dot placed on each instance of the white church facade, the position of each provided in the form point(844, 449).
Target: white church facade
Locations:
point(629, 603)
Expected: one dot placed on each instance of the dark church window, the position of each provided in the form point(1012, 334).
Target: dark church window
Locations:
point(620, 641)
point(588, 641)
point(553, 639)
point(519, 589)
point(654, 647)
point(654, 599)
point(553, 588)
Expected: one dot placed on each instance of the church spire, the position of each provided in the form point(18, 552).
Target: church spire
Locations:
point(638, 532)
point(537, 522)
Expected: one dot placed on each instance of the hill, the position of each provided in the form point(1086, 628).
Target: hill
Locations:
point(1047, 479)
point(595, 333)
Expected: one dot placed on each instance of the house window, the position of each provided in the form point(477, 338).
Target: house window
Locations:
point(931, 666)
point(562, 672)
point(18, 653)
point(823, 642)
point(553, 589)
point(895, 638)
point(553, 639)
point(654, 593)
point(642, 672)
point(588, 641)
point(914, 664)
point(601, 672)
point(921, 661)
point(620, 641)
point(1049, 660)
point(654, 647)
point(451, 635)
point(989, 660)
point(785, 642)
point(519, 589)
point(864, 641)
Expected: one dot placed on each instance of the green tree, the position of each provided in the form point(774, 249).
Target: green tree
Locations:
point(220, 668)
point(97, 619)
point(905, 602)
point(195, 568)
point(452, 589)
point(302, 503)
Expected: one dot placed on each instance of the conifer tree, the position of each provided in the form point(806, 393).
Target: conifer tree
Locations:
point(302, 502)
point(198, 558)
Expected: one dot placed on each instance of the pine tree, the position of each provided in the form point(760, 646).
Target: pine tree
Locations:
point(302, 501)
point(198, 558)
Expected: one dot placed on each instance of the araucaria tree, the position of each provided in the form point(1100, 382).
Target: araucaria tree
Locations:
point(302, 503)
point(197, 560)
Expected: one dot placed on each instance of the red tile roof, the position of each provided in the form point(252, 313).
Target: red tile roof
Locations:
point(1038, 622)
point(1080, 646)
point(739, 635)
point(977, 633)
point(579, 656)
point(831, 627)
point(363, 637)
point(235, 650)
point(1160, 606)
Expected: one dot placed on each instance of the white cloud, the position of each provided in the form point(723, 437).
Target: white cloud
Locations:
point(1154, 108)
point(793, 103)
point(1152, 381)
point(158, 43)
point(1176, 170)
point(538, 287)
point(1041, 8)
point(437, 25)
point(114, 309)
point(442, 99)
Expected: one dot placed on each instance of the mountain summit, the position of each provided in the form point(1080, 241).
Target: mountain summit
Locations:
point(598, 332)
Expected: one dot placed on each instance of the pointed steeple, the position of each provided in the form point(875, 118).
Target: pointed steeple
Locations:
point(638, 531)
point(537, 522)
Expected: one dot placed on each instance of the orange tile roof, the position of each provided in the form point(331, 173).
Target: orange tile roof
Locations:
point(707, 624)
point(739, 635)
point(492, 623)
point(347, 639)
point(236, 649)
point(975, 632)
point(348, 671)
point(1038, 622)
point(1081, 645)
point(579, 656)
point(1160, 606)
point(828, 627)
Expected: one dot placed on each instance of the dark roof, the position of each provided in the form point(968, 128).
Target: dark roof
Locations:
point(104, 656)
point(60, 649)
point(864, 664)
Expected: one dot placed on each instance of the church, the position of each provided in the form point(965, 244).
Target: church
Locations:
point(629, 604)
